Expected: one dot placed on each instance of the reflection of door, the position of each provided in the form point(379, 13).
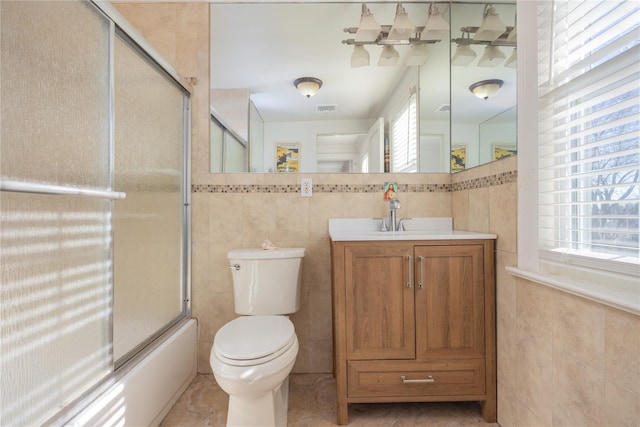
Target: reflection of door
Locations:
point(339, 152)
point(376, 146)
point(430, 153)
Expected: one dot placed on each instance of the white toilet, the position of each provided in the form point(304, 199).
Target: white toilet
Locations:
point(253, 355)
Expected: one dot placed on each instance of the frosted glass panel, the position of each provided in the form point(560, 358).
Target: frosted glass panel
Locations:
point(234, 154)
point(216, 136)
point(148, 224)
point(55, 269)
point(55, 118)
point(55, 303)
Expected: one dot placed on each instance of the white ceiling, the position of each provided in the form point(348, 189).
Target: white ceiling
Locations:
point(265, 47)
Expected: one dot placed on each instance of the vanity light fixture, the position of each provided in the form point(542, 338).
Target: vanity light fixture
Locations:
point(308, 86)
point(389, 56)
point(511, 62)
point(486, 88)
point(436, 28)
point(418, 54)
point(491, 27)
point(464, 55)
point(403, 32)
point(369, 28)
point(402, 27)
point(513, 34)
point(492, 57)
point(359, 56)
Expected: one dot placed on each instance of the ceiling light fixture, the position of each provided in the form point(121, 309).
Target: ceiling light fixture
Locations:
point(485, 88)
point(492, 57)
point(359, 56)
point(369, 28)
point(402, 27)
point(308, 86)
point(388, 56)
point(491, 27)
point(436, 28)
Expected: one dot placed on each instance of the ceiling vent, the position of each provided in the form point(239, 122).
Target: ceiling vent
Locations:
point(326, 108)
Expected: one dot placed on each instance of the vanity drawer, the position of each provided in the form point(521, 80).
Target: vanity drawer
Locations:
point(411, 378)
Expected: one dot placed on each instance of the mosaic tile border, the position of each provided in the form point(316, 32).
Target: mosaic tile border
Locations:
point(482, 182)
point(486, 181)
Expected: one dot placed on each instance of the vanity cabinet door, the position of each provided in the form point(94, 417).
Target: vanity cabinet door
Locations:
point(379, 301)
point(450, 300)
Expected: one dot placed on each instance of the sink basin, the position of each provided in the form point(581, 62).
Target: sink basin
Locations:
point(362, 229)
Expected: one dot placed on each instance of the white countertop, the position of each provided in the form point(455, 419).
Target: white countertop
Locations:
point(368, 229)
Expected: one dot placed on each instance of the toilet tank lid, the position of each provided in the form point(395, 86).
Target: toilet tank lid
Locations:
point(257, 253)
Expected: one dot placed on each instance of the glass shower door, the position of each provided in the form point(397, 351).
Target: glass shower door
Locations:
point(148, 230)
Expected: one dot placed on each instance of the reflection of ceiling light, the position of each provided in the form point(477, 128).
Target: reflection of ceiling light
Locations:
point(485, 88)
point(402, 27)
point(512, 61)
point(388, 56)
point(492, 57)
point(359, 57)
point(491, 27)
point(308, 86)
point(464, 55)
point(369, 28)
point(436, 28)
point(418, 54)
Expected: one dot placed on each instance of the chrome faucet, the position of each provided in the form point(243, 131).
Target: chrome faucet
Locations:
point(393, 205)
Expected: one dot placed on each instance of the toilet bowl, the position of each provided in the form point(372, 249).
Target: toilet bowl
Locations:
point(251, 358)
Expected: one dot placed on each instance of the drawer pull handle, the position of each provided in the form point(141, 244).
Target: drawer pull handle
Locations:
point(429, 379)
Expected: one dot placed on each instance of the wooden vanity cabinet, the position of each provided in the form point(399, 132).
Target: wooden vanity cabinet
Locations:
point(414, 321)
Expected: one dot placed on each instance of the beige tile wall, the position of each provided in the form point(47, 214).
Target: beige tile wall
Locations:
point(223, 221)
point(241, 210)
point(564, 360)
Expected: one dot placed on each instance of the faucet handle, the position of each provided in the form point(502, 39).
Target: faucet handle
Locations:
point(400, 226)
point(383, 226)
point(394, 204)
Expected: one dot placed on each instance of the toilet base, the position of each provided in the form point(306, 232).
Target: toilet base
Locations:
point(265, 410)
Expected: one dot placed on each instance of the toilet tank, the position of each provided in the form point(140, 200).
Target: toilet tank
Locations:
point(266, 281)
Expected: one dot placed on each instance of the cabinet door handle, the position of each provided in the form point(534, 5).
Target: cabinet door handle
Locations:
point(421, 281)
point(429, 380)
point(410, 265)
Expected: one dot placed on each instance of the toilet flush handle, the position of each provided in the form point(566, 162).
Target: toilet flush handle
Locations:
point(235, 266)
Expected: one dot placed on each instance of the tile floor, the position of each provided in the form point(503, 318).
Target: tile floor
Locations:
point(312, 404)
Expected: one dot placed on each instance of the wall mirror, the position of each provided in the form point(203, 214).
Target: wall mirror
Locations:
point(259, 50)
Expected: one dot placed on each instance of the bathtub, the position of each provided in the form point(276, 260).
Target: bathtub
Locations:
point(146, 392)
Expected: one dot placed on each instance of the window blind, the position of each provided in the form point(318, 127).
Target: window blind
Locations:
point(404, 152)
point(589, 132)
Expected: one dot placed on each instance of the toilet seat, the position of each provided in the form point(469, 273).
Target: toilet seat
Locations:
point(253, 340)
